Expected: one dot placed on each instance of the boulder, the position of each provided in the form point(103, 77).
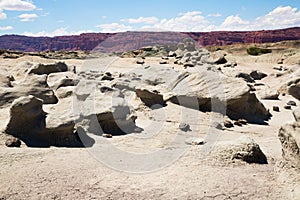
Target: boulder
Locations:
point(150, 98)
point(184, 127)
point(218, 57)
point(30, 123)
point(13, 142)
point(243, 148)
point(31, 85)
point(212, 90)
point(228, 123)
point(294, 90)
point(296, 114)
point(245, 76)
point(276, 108)
point(172, 54)
point(268, 94)
point(105, 112)
point(64, 82)
point(5, 81)
point(54, 79)
point(140, 61)
point(41, 69)
point(287, 107)
point(291, 103)
point(256, 75)
point(65, 92)
point(293, 85)
point(289, 136)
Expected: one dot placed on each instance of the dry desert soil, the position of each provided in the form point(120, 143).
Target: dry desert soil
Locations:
point(192, 172)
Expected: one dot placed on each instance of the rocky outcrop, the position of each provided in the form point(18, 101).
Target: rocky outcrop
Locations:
point(35, 85)
point(106, 110)
point(211, 89)
point(150, 98)
point(120, 42)
point(289, 136)
point(256, 75)
point(293, 84)
point(243, 148)
point(221, 38)
point(267, 93)
point(30, 123)
point(41, 69)
point(294, 90)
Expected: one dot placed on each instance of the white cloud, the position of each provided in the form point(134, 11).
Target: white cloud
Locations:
point(145, 20)
point(19, 5)
point(5, 28)
point(189, 21)
point(27, 17)
point(60, 21)
point(114, 27)
point(234, 23)
point(104, 17)
point(2, 14)
point(214, 15)
point(280, 17)
point(57, 32)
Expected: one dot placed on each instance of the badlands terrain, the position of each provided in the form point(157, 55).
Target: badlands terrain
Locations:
point(162, 122)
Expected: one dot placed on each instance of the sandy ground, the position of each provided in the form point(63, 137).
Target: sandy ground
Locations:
point(82, 173)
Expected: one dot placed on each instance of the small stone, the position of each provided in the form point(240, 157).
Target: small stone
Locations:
point(291, 103)
point(107, 78)
point(13, 142)
point(172, 54)
point(11, 78)
point(218, 126)
point(137, 130)
point(184, 127)
point(106, 135)
point(280, 62)
point(188, 64)
point(165, 58)
point(243, 121)
point(228, 124)
point(278, 68)
point(140, 61)
point(276, 108)
point(288, 107)
point(230, 64)
point(238, 123)
point(194, 141)
point(256, 75)
point(163, 62)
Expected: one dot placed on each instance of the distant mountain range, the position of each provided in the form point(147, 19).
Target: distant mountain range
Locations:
point(117, 42)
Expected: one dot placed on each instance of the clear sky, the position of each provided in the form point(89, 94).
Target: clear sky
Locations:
point(64, 17)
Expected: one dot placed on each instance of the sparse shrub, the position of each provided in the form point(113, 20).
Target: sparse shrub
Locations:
point(254, 51)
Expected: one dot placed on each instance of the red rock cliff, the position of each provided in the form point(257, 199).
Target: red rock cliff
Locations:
point(111, 42)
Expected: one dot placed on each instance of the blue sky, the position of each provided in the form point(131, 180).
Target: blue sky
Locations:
point(64, 17)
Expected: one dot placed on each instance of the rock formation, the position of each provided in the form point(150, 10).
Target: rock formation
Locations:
point(28, 122)
point(35, 85)
point(289, 136)
point(243, 148)
point(119, 42)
